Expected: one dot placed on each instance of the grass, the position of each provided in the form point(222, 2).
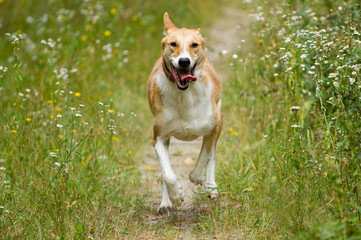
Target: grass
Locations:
point(75, 120)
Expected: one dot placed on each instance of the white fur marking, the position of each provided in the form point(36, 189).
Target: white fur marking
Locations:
point(187, 114)
point(173, 189)
point(184, 54)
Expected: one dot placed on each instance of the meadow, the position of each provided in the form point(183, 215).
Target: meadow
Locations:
point(75, 120)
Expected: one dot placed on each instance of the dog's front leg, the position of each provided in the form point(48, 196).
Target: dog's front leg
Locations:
point(166, 204)
point(207, 160)
point(172, 190)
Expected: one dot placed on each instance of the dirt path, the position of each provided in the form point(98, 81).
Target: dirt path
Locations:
point(225, 34)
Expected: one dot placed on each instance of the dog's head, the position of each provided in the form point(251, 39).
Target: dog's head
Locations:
point(183, 51)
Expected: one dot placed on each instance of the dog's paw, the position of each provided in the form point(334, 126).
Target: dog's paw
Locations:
point(197, 179)
point(165, 206)
point(212, 191)
point(213, 195)
point(164, 209)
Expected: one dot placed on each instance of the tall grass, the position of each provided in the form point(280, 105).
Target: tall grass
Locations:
point(295, 122)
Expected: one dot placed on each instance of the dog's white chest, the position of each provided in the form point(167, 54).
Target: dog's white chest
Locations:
point(187, 114)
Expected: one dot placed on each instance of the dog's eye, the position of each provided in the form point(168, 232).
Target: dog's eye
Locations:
point(173, 44)
point(194, 45)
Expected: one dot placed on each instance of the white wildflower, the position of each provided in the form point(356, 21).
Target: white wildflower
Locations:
point(332, 75)
point(224, 51)
point(53, 154)
point(295, 108)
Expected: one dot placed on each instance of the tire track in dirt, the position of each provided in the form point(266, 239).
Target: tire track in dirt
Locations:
point(225, 34)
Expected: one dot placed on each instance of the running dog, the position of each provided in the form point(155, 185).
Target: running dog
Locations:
point(184, 94)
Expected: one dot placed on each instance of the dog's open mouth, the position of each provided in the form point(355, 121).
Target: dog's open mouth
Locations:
point(183, 76)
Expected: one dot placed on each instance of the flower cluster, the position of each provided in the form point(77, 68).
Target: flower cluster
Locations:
point(50, 43)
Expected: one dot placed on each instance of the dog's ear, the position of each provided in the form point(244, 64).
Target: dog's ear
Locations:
point(168, 25)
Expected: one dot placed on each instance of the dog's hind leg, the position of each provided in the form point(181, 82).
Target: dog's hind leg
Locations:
point(207, 160)
point(172, 190)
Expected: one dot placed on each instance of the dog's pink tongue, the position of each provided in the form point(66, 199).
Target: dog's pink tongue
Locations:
point(188, 76)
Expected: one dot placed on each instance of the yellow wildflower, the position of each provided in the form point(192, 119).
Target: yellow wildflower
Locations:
point(14, 131)
point(73, 131)
point(115, 138)
point(51, 116)
point(149, 168)
point(77, 94)
point(235, 133)
point(60, 136)
point(129, 152)
point(113, 11)
point(107, 33)
point(121, 145)
point(28, 119)
point(260, 41)
point(84, 38)
point(50, 102)
point(58, 109)
point(134, 18)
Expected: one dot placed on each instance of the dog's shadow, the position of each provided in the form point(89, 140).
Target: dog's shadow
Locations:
point(201, 206)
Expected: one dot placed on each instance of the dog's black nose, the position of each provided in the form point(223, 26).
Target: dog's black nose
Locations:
point(184, 62)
